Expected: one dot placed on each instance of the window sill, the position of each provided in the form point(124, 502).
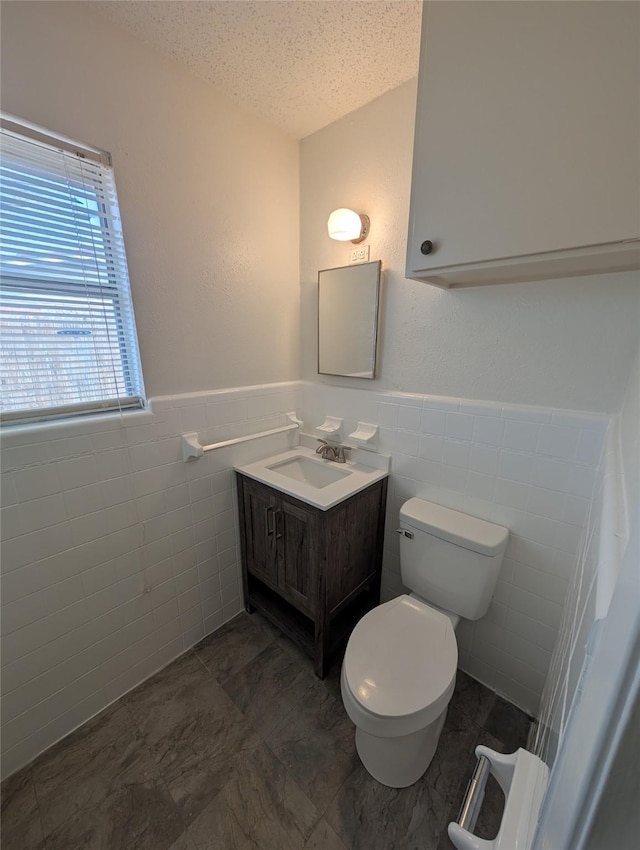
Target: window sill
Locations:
point(91, 423)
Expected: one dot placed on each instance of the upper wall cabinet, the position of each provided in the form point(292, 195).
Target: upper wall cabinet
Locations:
point(527, 149)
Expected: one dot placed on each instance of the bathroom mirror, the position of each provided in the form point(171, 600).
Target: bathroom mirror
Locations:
point(348, 320)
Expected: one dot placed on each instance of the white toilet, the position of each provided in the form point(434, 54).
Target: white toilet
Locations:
point(399, 668)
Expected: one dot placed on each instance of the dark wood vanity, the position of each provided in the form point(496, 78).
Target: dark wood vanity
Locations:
point(313, 573)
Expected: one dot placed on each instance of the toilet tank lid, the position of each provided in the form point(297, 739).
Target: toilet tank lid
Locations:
point(472, 533)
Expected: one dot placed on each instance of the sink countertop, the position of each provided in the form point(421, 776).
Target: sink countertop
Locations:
point(359, 476)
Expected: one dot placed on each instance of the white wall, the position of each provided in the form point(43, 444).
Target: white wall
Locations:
point(208, 194)
point(563, 344)
point(592, 692)
point(116, 555)
point(630, 440)
point(530, 469)
point(613, 515)
point(526, 354)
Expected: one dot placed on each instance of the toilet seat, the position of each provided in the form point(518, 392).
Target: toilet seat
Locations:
point(399, 669)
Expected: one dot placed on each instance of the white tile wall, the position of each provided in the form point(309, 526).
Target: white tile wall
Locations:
point(116, 555)
point(530, 469)
point(590, 590)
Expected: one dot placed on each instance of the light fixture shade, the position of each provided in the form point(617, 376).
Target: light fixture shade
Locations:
point(344, 225)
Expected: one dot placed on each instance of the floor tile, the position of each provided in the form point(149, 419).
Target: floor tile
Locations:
point(139, 816)
point(267, 688)
point(324, 838)
point(179, 763)
point(21, 826)
point(508, 724)
point(332, 680)
point(218, 828)
point(472, 698)
point(258, 618)
point(260, 807)
point(184, 842)
point(239, 641)
point(369, 816)
point(193, 730)
point(445, 842)
point(85, 767)
point(316, 743)
point(455, 749)
point(492, 810)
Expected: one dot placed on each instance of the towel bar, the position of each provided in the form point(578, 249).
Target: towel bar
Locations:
point(191, 447)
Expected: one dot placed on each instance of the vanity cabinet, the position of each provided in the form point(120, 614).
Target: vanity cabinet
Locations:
point(313, 573)
point(526, 144)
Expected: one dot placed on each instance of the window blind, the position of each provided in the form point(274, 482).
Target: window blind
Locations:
point(67, 331)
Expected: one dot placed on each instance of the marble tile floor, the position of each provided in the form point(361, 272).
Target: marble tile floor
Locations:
point(236, 745)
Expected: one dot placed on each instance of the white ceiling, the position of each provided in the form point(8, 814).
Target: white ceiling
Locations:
point(299, 64)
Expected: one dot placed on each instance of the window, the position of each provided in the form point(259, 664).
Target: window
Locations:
point(67, 332)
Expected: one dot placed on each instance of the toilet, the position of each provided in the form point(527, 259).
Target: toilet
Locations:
point(399, 668)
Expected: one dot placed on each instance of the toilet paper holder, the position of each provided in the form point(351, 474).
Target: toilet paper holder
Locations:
point(474, 797)
point(523, 778)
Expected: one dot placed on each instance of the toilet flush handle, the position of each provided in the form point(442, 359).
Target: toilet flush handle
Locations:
point(405, 533)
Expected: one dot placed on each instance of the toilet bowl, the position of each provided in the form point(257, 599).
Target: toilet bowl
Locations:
point(397, 693)
point(399, 668)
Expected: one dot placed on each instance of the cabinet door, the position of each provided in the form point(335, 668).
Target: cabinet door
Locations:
point(298, 532)
point(354, 544)
point(260, 506)
point(527, 131)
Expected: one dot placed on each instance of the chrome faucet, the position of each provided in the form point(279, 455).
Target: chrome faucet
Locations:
point(335, 453)
point(326, 451)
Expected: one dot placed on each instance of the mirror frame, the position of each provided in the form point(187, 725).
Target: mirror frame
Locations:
point(376, 320)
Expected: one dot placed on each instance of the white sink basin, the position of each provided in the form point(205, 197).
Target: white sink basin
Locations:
point(315, 473)
point(301, 473)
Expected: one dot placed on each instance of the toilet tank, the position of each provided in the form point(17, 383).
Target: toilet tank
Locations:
point(450, 559)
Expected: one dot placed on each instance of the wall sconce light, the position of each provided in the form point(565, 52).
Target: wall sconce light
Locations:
point(347, 225)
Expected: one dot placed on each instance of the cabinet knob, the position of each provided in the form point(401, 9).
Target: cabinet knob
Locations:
point(426, 247)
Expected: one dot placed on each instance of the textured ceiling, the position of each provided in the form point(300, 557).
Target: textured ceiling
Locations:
point(299, 64)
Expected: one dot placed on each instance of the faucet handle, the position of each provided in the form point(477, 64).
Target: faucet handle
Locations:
point(340, 453)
